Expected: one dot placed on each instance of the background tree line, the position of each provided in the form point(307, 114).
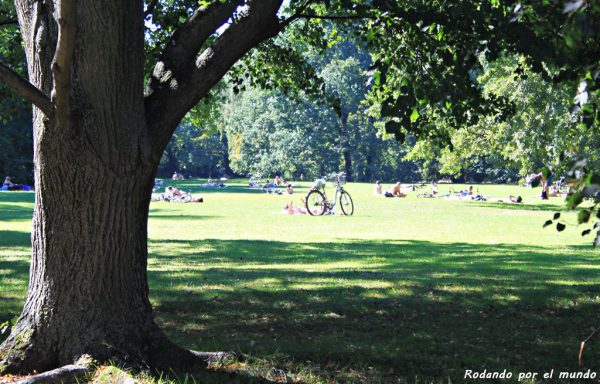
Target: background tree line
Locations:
point(253, 130)
point(248, 129)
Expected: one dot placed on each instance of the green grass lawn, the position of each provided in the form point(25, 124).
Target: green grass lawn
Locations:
point(406, 290)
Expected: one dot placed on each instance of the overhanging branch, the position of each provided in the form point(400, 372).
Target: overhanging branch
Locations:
point(26, 89)
point(63, 56)
point(176, 94)
point(335, 17)
point(181, 50)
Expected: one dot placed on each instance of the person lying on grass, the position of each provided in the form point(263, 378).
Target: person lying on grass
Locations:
point(512, 199)
point(290, 210)
point(172, 194)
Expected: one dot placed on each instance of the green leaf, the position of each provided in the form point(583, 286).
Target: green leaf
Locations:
point(574, 200)
point(414, 116)
point(583, 216)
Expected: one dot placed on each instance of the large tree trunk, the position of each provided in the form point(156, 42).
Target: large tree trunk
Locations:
point(88, 291)
point(97, 146)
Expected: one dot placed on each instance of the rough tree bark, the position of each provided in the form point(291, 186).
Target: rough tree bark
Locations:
point(98, 140)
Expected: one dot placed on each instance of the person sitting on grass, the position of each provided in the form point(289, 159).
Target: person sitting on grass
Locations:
point(434, 188)
point(289, 189)
point(8, 183)
point(378, 187)
point(395, 191)
point(172, 192)
point(268, 184)
point(554, 191)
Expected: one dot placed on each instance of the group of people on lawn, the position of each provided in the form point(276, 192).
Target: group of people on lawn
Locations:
point(279, 182)
point(396, 189)
point(467, 194)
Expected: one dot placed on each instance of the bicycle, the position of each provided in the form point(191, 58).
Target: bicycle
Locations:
point(316, 200)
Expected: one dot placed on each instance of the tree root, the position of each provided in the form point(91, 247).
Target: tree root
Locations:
point(214, 359)
point(220, 363)
point(157, 355)
point(67, 374)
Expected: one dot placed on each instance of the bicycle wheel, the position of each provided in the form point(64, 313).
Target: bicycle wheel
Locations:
point(315, 203)
point(346, 203)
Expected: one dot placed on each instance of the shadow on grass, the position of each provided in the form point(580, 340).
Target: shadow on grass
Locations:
point(17, 197)
point(406, 308)
point(15, 212)
point(383, 310)
point(523, 207)
point(13, 239)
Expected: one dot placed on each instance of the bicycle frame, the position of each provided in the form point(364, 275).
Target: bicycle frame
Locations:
point(338, 191)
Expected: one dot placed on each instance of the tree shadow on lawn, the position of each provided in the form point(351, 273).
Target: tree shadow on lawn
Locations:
point(404, 308)
point(14, 212)
point(14, 239)
point(17, 197)
point(522, 207)
point(14, 272)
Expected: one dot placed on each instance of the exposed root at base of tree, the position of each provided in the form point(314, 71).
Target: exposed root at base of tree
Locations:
point(153, 354)
point(66, 375)
point(212, 363)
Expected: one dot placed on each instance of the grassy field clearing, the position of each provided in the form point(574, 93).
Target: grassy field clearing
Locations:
point(405, 290)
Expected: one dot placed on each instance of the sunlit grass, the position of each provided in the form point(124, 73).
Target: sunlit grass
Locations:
point(404, 289)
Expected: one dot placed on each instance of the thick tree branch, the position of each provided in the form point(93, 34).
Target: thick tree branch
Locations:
point(180, 52)
point(26, 89)
point(334, 17)
point(173, 96)
point(63, 57)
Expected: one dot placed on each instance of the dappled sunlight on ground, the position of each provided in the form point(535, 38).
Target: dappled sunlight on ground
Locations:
point(408, 287)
